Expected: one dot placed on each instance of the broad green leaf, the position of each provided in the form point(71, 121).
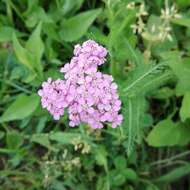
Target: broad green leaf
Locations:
point(23, 55)
point(117, 178)
point(63, 137)
point(36, 47)
point(181, 68)
point(130, 174)
point(120, 162)
point(168, 133)
point(182, 71)
point(21, 108)
point(75, 27)
point(161, 134)
point(185, 108)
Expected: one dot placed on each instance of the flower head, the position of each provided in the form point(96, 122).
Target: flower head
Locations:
point(90, 96)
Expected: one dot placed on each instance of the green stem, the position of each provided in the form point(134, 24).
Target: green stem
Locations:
point(170, 159)
point(16, 86)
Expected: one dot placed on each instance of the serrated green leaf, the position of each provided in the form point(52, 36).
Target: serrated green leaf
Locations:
point(144, 74)
point(21, 108)
point(75, 27)
point(134, 121)
point(154, 82)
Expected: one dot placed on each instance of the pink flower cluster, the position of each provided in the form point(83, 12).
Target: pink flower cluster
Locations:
point(90, 96)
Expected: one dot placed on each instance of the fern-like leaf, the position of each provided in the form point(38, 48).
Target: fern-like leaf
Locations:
point(145, 78)
point(134, 121)
point(141, 75)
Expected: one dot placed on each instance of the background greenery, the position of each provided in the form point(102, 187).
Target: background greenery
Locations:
point(149, 57)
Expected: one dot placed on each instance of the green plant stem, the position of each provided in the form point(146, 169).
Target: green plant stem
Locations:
point(172, 163)
point(170, 159)
point(16, 86)
point(12, 5)
point(148, 182)
point(9, 12)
